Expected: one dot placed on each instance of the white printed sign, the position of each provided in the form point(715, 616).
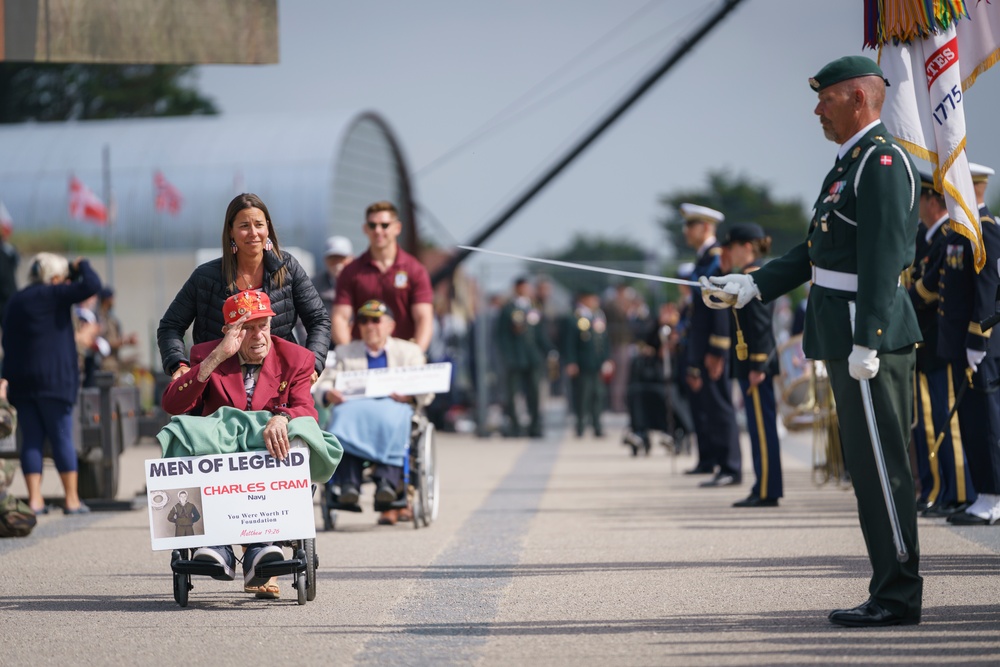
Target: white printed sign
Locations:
point(241, 498)
point(404, 380)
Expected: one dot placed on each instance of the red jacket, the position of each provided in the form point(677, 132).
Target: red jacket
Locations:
point(283, 383)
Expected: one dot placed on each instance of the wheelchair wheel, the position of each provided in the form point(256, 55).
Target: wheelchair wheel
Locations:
point(182, 582)
point(300, 587)
point(430, 483)
point(312, 562)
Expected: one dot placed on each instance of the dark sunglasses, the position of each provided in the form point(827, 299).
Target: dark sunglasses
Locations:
point(365, 320)
point(374, 225)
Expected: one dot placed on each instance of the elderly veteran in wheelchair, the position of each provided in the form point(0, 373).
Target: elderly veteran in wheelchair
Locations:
point(372, 431)
point(247, 391)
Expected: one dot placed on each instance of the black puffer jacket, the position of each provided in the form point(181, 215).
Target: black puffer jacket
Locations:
point(201, 299)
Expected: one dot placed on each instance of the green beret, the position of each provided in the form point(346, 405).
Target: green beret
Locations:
point(842, 69)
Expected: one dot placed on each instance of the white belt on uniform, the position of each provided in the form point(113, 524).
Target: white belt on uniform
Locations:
point(846, 282)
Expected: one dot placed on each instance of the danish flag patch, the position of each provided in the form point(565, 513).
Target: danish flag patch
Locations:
point(885, 160)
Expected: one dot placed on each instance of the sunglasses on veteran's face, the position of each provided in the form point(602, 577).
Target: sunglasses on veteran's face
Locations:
point(374, 225)
point(369, 320)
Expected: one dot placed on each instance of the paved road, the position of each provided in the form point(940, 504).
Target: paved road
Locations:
point(554, 552)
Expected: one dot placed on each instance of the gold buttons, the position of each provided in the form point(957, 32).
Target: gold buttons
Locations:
point(878, 332)
point(809, 244)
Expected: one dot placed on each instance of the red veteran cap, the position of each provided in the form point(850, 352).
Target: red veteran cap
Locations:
point(250, 301)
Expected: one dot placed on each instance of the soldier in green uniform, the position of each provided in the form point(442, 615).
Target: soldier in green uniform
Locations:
point(860, 321)
point(585, 351)
point(523, 347)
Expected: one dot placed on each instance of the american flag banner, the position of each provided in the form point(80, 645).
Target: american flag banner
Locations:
point(168, 197)
point(84, 204)
point(919, 44)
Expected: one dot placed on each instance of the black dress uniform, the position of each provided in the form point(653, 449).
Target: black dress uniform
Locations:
point(861, 238)
point(966, 299)
point(944, 476)
point(759, 402)
point(712, 406)
point(585, 344)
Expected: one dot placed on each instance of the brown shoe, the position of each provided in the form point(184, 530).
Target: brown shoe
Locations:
point(405, 513)
point(388, 518)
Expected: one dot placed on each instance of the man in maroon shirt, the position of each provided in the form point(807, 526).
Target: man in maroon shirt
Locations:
point(389, 274)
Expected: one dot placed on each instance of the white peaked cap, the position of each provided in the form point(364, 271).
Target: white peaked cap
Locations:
point(695, 212)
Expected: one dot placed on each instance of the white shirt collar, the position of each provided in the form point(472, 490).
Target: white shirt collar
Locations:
point(937, 225)
point(847, 145)
point(709, 242)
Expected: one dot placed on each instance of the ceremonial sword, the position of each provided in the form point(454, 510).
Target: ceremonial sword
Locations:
point(587, 267)
point(883, 477)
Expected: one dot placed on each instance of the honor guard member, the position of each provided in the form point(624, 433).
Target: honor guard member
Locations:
point(586, 353)
point(860, 321)
point(523, 347)
point(945, 484)
point(708, 346)
point(755, 363)
point(968, 298)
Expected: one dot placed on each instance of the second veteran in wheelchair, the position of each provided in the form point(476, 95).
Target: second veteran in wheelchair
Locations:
point(372, 431)
point(240, 390)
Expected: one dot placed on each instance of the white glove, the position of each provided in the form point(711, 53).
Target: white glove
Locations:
point(863, 363)
point(974, 357)
point(740, 285)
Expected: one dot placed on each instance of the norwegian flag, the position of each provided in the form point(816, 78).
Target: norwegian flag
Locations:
point(84, 204)
point(168, 197)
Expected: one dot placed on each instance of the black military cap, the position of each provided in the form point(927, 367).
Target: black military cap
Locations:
point(743, 232)
point(926, 181)
point(842, 69)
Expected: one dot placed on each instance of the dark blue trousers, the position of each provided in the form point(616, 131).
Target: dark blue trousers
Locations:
point(715, 424)
point(943, 472)
point(762, 426)
point(46, 417)
point(979, 420)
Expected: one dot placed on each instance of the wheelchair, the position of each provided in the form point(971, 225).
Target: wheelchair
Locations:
point(302, 566)
point(421, 483)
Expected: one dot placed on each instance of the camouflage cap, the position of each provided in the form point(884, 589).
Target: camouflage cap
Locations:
point(842, 69)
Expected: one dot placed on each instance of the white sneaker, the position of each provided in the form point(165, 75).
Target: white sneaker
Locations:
point(255, 555)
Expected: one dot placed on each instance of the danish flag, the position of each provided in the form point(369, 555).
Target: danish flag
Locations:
point(168, 197)
point(885, 160)
point(84, 204)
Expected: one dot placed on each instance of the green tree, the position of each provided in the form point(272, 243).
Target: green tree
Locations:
point(54, 92)
point(741, 200)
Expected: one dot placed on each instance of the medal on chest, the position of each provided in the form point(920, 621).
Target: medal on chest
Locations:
point(533, 317)
point(955, 257)
point(833, 194)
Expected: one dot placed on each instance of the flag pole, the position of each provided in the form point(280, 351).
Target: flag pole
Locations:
point(112, 214)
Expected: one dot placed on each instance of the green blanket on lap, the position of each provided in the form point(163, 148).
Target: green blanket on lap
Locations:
point(228, 431)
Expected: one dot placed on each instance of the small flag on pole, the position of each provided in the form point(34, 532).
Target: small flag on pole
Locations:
point(84, 204)
point(919, 46)
point(168, 197)
point(6, 221)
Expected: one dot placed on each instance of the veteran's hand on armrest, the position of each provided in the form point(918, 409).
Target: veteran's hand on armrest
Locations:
point(276, 436)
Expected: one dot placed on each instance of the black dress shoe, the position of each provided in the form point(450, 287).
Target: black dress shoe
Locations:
point(756, 501)
point(922, 505)
point(349, 495)
point(722, 479)
point(939, 511)
point(966, 519)
point(700, 470)
point(870, 615)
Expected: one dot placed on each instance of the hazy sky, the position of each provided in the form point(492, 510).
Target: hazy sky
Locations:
point(440, 70)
